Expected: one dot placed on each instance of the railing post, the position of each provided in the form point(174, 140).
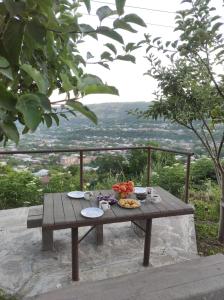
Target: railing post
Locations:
point(81, 169)
point(187, 178)
point(149, 160)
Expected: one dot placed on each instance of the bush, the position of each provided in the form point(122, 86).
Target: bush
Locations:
point(19, 189)
point(171, 178)
point(111, 164)
point(62, 182)
point(201, 170)
point(4, 296)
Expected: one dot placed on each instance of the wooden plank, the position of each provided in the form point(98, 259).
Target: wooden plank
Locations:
point(148, 231)
point(77, 210)
point(47, 239)
point(177, 203)
point(148, 207)
point(48, 212)
point(75, 254)
point(68, 208)
point(59, 216)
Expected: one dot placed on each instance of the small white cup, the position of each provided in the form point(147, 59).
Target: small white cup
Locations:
point(88, 195)
point(104, 205)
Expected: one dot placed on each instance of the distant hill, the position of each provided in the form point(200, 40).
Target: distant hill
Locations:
point(115, 128)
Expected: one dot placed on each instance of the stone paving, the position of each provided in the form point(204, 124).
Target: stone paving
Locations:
point(28, 271)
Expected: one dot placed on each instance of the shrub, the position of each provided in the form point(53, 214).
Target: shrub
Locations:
point(201, 170)
point(62, 182)
point(19, 189)
point(171, 178)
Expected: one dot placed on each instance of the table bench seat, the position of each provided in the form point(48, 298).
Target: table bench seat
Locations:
point(35, 219)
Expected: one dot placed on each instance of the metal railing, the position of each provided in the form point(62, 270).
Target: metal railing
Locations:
point(81, 152)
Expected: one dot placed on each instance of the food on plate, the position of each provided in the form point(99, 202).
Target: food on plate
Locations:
point(129, 203)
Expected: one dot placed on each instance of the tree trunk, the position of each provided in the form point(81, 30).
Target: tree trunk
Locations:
point(221, 218)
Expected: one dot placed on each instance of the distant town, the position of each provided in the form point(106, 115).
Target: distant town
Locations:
point(116, 128)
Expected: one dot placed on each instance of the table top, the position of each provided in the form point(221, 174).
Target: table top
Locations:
point(61, 212)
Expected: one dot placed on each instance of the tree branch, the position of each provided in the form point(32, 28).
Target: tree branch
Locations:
point(182, 123)
point(210, 134)
point(61, 101)
point(220, 146)
point(203, 143)
point(210, 74)
point(207, 142)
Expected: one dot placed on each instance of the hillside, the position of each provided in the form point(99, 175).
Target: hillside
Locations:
point(115, 128)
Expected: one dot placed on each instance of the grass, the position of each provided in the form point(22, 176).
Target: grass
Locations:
point(206, 225)
point(3, 296)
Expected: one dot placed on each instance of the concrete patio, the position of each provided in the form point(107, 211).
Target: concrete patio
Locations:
point(28, 271)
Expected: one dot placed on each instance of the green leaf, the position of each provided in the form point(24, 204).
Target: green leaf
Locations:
point(88, 5)
point(7, 99)
point(111, 47)
point(127, 57)
point(110, 33)
point(123, 25)
point(56, 119)
point(29, 106)
point(87, 80)
point(89, 55)
point(104, 12)
point(216, 26)
point(11, 131)
point(133, 18)
point(48, 120)
point(101, 89)
point(64, 116)
point(66, 84)
point(120, 6)
point(12, 40)
point(103, 64)
point(36, 31)
point(106, 55)
point(156, 39)
point(5, 68)
point(84, 110)
point(14, 8)
point(131, 47)
point(44, 101)
point(41, 82)
point(88, 30)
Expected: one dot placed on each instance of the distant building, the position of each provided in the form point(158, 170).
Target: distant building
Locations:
point(41, 173)
point(74, 159)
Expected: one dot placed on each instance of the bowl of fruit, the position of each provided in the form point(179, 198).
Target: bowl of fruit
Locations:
point(123, 189)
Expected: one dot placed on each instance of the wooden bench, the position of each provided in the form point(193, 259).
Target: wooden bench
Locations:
point(34, 220)
point(198, 279)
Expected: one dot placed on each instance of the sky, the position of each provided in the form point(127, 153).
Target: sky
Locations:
point(128, 77)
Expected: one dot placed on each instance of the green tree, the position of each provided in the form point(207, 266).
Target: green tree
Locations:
point(201, 170)
point(111, 165)
point(172, 178)
point(39, 53)
point(137, 159)
point(191, 81)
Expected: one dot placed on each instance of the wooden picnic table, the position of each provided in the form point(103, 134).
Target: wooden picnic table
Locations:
point(62, 212)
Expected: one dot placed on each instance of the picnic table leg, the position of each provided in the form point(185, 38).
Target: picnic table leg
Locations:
point(75, 254)
point(99, 234)
point(148, 229)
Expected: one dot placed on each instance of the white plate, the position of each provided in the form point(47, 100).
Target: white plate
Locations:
point(140, 190)
point(76, 194)
point(92, 212)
